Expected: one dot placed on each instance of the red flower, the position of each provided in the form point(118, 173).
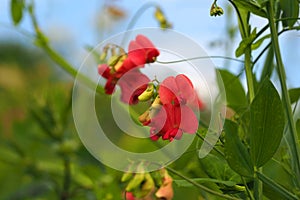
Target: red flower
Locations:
point(179, 90)
point(172, 121)
point(140, 52)
point(173, 114)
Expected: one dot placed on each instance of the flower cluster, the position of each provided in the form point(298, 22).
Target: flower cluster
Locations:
point(171, 113)
point(140, 52)
point(144, 186)
point(173, 101)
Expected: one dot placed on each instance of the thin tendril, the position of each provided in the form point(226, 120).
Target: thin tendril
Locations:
point(198, 58)
point(135, 17)
point(19, 30)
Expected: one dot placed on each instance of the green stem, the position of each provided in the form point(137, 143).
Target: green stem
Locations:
point(43, 43)
point(65, 194)
point(249, 75)
point(285, 95)
point(202, 187)
point(245, 31)
point(275, 186)
point(247, 189)
point(217, 150)
point(258, 186)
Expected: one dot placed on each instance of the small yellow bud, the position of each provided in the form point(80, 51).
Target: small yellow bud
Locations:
point(216, 10)
point(135, 182)
point(103, 55)
point(126, 176)
point(112, 61)
point(155, 107)
point(148, 185)
point(120, 62)
point(148, 93)
point(159, 16)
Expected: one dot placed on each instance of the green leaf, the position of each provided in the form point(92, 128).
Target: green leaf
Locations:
point(243, 21)
point(251, 6)
point(235, 94)
point(236, 153)
point(257, 44)
point(294, 94)
point(290, 9)
point(266, 124)
point(17, 10)
point(245, 43)
point(218, 168)
point(298, 128)
point(184, 183)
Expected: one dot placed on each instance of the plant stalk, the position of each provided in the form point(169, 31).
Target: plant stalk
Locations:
point(43, 43)
point(285, 95)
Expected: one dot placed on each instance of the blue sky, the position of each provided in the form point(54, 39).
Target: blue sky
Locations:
point(73, 24)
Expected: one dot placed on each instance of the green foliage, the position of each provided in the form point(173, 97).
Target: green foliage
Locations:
point(217, 168)
point(245, 43)
point(251, 6)
point(294, 94)
point(17, 7)
point(236, 152)
point(290, 11)
point(258, 43)
point(235, 94)
point(266, 124)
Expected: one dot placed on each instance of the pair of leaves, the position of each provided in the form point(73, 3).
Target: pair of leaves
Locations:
point(265, 130)
point(248, 41)
point(17, 7)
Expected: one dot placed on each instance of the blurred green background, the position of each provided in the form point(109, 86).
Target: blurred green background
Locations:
point(41, 156)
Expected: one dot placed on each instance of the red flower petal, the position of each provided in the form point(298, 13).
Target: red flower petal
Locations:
point(110, 85)
point(132, 84)
point(158, 120)
point(129, 196)
point(168, 90)
point(104, 71)
point(153, 134)
point(185, 86)
point(144, 41)
point(189, 121)
point(136, 53)
point(151, 51)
